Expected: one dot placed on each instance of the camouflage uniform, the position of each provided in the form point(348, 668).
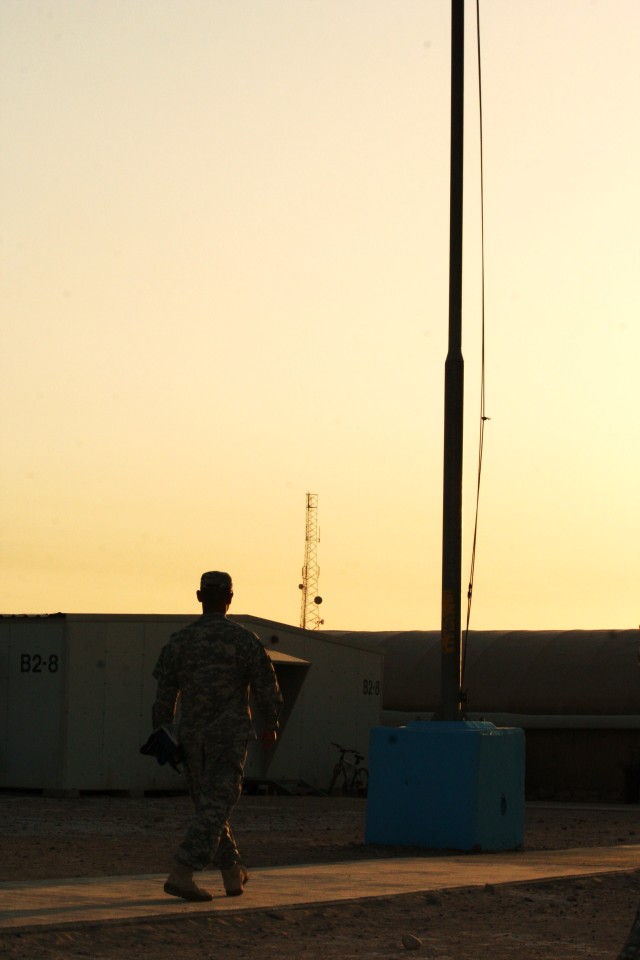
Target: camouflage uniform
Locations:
point(212, 663)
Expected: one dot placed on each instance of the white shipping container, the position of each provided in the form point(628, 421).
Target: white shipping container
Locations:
point(76, 692)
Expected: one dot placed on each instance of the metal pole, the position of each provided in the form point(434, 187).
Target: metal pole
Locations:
point(451, 635)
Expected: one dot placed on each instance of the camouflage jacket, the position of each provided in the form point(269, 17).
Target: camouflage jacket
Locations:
point(213, 664)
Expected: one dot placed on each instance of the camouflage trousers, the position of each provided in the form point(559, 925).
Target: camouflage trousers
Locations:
point(214, 779)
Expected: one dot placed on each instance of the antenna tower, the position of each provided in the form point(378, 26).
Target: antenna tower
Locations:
point(310, 607)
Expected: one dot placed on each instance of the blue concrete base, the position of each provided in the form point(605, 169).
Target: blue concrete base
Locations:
point(446, 785)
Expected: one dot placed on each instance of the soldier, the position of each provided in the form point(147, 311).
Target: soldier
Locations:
point(213, 663)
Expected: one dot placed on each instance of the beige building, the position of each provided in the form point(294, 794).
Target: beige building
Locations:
point(76, 692)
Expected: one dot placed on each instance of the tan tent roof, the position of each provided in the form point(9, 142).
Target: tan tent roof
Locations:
point(518, 671)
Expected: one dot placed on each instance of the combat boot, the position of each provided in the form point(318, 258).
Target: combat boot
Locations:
point(234, 879)
point(180, 883)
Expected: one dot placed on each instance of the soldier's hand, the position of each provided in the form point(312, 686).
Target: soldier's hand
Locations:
point(268, 739)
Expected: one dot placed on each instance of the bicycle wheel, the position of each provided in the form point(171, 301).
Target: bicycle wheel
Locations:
point(360, 784)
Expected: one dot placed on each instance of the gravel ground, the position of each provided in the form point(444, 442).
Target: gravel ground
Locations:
point(44, 838)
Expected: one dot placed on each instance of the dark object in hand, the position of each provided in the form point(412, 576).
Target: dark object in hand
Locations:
point(163, 745)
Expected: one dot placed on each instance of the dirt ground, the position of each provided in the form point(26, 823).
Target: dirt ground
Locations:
point(583, 919)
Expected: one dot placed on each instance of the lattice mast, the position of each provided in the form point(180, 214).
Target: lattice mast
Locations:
point(310, 606)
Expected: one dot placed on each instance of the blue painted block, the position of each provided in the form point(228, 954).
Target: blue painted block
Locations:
point(446, 786)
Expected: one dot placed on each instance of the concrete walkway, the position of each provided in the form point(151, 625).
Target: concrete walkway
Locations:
point(52, 903)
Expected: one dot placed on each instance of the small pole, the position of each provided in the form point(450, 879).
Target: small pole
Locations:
point(451, 631)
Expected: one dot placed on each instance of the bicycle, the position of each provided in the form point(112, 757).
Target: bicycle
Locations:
point(355, 779)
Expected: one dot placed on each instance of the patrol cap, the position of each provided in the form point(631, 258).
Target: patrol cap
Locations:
point(215, 581)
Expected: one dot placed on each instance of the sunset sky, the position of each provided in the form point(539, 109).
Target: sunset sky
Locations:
point(224, 284)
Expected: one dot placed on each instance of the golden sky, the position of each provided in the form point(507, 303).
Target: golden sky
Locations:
point(224, 285)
